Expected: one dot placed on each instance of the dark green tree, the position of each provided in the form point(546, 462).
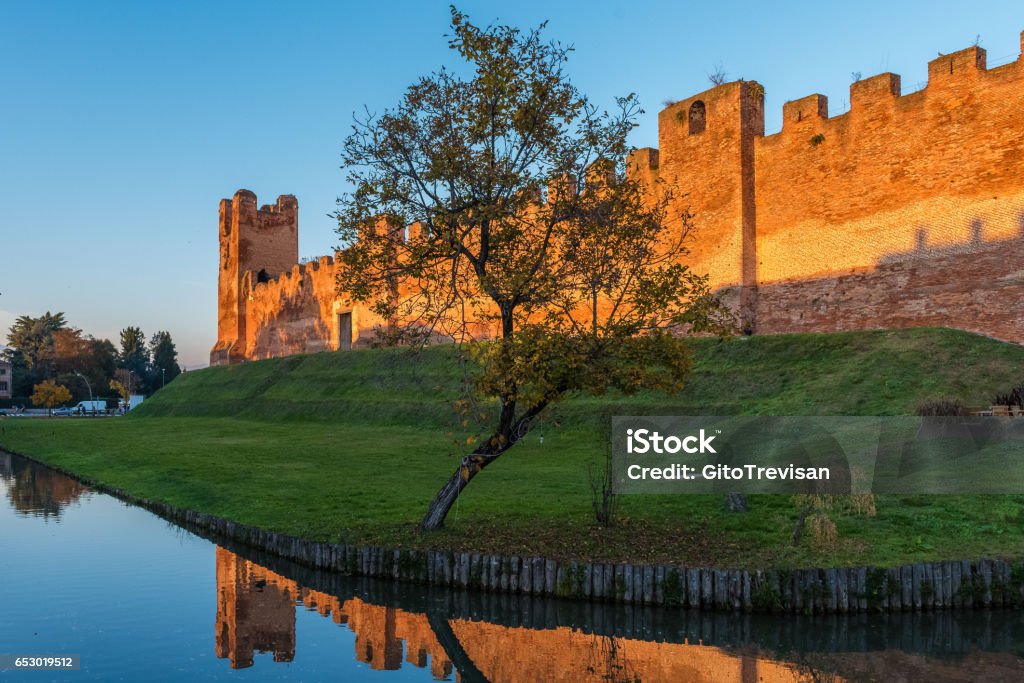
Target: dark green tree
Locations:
point(84, 364)
point(163, 359)
point(30, 349)
point(584, 289)
point(133, 357)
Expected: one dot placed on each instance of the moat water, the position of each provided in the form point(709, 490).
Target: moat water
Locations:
point(139, 598)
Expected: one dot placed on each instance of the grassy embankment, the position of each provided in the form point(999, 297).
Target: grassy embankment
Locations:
point(352, 446)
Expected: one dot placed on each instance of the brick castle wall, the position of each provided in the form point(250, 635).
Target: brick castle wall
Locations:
point(907, 210)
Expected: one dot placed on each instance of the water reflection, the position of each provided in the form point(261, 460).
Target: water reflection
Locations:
point(505, 638)
point(133, 594)
point(256, 613)
point(37, 491)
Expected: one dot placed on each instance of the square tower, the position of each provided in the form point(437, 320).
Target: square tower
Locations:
point(256, 245)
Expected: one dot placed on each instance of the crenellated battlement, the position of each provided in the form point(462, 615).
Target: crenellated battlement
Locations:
point(967, 63)
point(710, 110)
point(879, 90)
point(807, 112)
point(948, 76)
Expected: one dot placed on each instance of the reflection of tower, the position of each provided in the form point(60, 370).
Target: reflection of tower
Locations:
point(255, 611)
point(376, 643)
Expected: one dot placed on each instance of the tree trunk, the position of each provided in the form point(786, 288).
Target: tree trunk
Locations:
point(445, 498)
point(472, 464)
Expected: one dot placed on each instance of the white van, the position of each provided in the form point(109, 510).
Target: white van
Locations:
point(89, 407)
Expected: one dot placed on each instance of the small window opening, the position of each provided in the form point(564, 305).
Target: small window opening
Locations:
point(698, 117)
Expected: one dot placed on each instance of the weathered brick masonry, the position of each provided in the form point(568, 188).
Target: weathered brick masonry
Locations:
point(906, 210)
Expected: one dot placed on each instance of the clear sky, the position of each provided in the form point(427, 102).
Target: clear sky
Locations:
point(123, 123)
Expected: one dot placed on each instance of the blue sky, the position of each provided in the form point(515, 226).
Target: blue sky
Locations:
point(123, 123)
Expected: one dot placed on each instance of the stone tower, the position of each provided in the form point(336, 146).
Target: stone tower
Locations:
point(706, 156)
point(256, 245)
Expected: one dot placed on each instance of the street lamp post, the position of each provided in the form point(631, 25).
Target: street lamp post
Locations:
point(131, 382)
point(163, 377)
point(89, 387)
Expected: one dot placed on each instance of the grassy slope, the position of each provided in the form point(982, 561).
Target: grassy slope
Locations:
point(352, 446)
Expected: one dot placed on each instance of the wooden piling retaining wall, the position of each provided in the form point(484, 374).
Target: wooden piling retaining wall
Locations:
point(924, 586)
point(914, 587)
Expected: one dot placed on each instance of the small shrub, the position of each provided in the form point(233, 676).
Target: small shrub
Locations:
point(817, 139)
point(814, 518)
point(672, 588)
point(942, 407)
point(877, 588)
point(766, 599)
point(1014, 397)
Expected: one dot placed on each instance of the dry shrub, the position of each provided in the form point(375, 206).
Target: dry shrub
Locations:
point(822, 530)
point(818, 523)
point(862, 504)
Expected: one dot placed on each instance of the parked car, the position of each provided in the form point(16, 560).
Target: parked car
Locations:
point(62, 412)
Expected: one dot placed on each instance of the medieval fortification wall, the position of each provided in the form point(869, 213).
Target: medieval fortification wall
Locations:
point(907, 210)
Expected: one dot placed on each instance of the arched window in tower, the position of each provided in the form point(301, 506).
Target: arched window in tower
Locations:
point(698, 117)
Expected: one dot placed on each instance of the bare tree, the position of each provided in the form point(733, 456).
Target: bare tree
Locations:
point(718, 76)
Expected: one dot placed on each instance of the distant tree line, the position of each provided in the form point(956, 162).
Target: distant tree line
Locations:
point(46, 349)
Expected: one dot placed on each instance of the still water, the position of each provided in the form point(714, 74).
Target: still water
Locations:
point(142, 599)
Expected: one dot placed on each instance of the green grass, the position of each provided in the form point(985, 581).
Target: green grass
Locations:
point(352, 446)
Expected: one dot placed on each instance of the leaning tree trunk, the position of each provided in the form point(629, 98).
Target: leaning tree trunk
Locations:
point(470, 466)
point(509, 434)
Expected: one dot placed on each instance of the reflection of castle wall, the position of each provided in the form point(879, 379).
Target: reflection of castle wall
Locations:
point(563, 655)
point(256, 612)
point(912, 666)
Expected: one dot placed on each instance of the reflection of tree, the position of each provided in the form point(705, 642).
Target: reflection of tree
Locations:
point(614, 655)
point(815, 671)
point(468, 671)
point(36, 490)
